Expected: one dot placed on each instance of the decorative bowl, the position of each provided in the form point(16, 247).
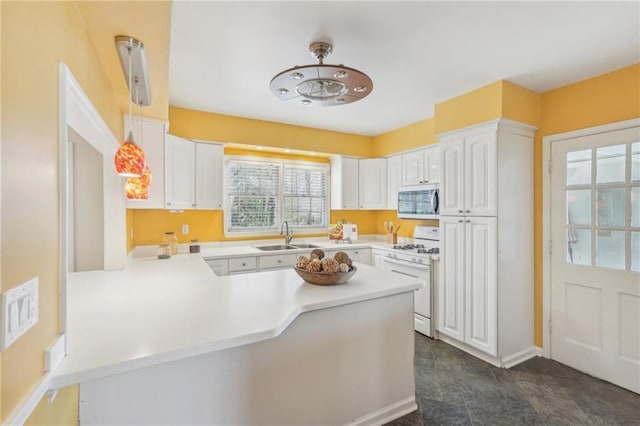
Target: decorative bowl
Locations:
point(322, 278)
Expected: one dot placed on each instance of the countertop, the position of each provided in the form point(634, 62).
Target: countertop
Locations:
point(157, 311)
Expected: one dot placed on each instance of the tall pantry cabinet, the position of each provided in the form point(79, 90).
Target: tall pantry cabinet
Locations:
point(485, 295)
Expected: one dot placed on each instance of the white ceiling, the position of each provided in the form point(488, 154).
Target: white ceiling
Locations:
point(224, 54)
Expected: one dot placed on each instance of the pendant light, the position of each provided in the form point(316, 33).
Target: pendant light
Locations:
point(129, 159)
point(137, 188)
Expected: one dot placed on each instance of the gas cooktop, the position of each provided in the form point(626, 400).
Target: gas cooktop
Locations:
point(417, 248)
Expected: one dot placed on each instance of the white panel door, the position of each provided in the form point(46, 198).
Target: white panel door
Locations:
point(452, 178)
point(481, 321)
point(480, 175)
point(372, 180)
point(595, 260)
point(394, 180)
point(451, 288)
point(179, 173)
point(344, 183)
point(209, 168)
point(413, 168)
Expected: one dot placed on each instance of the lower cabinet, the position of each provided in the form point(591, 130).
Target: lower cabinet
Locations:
point(280, 261)
point(242, 265)
point(468, 288)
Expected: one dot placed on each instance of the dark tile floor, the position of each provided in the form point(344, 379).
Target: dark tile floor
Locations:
point(455, 388)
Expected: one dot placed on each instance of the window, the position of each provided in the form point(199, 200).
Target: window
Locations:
point(261, 193)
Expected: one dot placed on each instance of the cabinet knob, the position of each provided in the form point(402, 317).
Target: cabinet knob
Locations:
point(193, 205)
point(244, 264)
point(460, 211)
point(279, 261)
point(468, 211)
point(468, 221)
point(460, 221)
point(168, 204)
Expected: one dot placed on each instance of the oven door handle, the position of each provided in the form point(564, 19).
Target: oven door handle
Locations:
point(407, 264)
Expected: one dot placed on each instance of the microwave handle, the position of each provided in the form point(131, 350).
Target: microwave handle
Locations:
point(435, 201)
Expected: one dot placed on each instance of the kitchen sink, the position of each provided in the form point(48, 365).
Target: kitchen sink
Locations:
point(305, 246)
point(276, 247)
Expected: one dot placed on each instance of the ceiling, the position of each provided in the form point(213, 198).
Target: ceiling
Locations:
point(220, 56)
point(224, 54)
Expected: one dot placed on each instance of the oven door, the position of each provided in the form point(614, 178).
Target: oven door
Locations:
point(422, 298)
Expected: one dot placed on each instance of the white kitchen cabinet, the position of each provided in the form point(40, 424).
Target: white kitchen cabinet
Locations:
point(279, 261)
point(242, 265)
point(344, 183)
point(421, 166)
point(372, 178)
point(468, 291)
point(485, 291)
point(208, 175)
point(220, 267)
point(377, 257)
point(193, 174)
point(394, 180)
point(469, 180)
point(149, 134)
point(180, 188)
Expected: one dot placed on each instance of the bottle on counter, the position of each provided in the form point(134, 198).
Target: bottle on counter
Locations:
point(194, 247)
point(172, 240)
point(164, 251)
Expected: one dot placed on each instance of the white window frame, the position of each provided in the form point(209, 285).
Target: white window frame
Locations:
point(280, 213)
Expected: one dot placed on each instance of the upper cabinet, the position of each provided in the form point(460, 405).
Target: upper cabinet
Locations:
point(421, 166)
point(372, 177)
point(344, 183)
point(180, 169)
point(394, 180)
point(209, 172)
point(469, 180)
point(193, 174)
point(149, 134)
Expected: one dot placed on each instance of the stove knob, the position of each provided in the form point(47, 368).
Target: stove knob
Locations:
point(413, 259)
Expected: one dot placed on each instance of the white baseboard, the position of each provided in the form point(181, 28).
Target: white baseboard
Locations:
point(522, 356)
point(53, 356)
point(388, 413)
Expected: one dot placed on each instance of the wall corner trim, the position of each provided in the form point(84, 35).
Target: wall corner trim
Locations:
point(29, 403)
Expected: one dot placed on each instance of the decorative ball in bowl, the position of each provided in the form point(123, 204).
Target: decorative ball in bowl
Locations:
point(320, 270)
point(325, 278)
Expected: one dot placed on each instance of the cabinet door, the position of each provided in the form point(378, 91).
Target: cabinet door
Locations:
point(452, 179)
point(432, 164)
point(149, 134)
point(481, 284)
point(452, 277)
point(209, 168)
point(279, 261)
point(372, 178)
point(413, 168)
point(179, 173)
point(480, 175)
point(344, 183)
point(394, 180)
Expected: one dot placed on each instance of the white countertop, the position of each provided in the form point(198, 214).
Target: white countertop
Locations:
point(156, 311)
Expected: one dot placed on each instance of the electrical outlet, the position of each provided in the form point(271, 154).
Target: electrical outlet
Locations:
point(185, 229)
point(19, 311)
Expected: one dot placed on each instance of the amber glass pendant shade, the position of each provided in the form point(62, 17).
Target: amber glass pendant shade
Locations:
point(137, 188)
point(129, 159)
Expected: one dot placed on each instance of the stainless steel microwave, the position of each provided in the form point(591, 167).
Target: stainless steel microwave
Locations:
point(418, 201)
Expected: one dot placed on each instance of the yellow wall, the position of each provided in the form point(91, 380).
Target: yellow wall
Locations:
point(193, 124)
point(475, 107)
point(36, 37)
point(62, 412)
point(415, 135)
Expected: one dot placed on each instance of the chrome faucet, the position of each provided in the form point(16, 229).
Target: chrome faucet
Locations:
point(288, 236)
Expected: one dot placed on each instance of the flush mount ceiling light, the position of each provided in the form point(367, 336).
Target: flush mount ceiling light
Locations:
point(321, 85)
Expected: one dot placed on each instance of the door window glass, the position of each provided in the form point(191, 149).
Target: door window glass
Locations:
point(610, 249)
point(579, 246)
point(635, 162)
point(635, 207)
point(579, 207)
point(611, 164)
point(579, 167)
point(635, 251)
point(610, 209)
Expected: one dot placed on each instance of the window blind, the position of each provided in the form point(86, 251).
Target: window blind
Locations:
point(261, 194)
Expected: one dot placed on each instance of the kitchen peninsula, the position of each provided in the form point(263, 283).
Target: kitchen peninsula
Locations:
point(169, 342)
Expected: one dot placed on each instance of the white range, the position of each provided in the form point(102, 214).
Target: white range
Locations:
point(414, 260)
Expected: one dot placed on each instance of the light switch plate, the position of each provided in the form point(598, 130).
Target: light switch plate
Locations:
point(19, 311)
point(185, 228)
